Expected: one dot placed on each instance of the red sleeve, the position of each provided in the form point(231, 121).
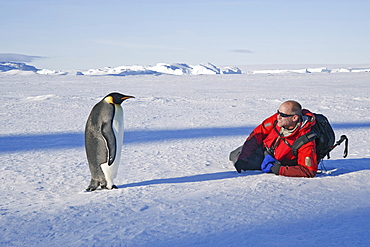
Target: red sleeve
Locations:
point(293, 171)
point(257, 136)
point(307, 164)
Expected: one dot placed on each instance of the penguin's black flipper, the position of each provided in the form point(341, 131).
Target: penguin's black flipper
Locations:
point(110, 139)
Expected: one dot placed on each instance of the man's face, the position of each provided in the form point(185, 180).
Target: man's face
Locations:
point(288, 122)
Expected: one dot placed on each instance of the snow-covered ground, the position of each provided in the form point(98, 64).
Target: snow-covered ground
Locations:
point(176, 186)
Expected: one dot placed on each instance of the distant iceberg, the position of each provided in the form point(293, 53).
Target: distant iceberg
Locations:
point(14, 68)
point(50, 72)
point(163, 68)
point(7, 66)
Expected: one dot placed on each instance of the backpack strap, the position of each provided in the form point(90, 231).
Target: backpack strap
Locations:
point(342, 139)
point(306, 138)
point(281, 136)
point(310, 136)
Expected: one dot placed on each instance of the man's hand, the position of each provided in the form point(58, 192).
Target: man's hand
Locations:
point(268, 162)
point(241, 165)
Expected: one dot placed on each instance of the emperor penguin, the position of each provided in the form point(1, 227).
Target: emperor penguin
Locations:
point(103, 140)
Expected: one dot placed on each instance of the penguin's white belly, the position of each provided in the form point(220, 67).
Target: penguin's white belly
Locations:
point(110, 172)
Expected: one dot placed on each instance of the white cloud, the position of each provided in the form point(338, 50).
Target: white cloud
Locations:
point(242, 51)
point(13, 57)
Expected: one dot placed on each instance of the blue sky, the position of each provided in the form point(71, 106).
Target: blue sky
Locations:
point(83, 34)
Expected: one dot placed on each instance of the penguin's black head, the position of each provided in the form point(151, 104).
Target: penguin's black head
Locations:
point(117, 98)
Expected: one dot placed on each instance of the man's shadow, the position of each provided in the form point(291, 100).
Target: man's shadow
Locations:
point(342, 166)
point(189, 179)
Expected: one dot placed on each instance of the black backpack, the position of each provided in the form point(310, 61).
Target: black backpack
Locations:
point(324, 136)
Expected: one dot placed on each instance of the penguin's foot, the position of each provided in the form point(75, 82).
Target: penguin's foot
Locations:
point(90, 188)
point(93, 185)
point(103, 185)
point(107, 188)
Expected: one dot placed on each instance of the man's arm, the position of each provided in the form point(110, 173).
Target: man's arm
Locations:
point(293, 171)
point(257, 136)
point(307, 164)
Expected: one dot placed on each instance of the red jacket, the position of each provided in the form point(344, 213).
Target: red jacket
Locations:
point(267, 134)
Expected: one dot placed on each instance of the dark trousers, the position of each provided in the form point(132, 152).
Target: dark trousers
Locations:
point(254, 161)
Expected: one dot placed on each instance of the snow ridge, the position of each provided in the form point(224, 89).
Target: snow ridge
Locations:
point(164, 68)
point(12, 68)
point(7, 66)
point(310, 70)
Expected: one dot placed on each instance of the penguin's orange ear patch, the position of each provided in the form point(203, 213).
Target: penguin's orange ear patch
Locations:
point(109, 100)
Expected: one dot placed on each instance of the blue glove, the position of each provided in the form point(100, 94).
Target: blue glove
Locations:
point(268, 162)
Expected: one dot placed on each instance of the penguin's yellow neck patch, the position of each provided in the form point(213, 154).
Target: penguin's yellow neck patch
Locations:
point(109, 100)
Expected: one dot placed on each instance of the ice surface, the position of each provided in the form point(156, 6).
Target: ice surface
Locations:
point(176, 186)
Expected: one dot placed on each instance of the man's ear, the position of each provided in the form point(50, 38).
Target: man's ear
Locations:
point(295, 118)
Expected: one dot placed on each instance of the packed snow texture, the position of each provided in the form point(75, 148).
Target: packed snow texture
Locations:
point(176, 186)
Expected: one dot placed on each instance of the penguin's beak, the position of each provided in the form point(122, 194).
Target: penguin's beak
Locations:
point(127, 97)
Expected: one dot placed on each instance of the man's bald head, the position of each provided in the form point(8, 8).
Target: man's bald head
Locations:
point(294, 106)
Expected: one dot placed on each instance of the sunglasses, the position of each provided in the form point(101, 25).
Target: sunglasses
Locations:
point(285, 115)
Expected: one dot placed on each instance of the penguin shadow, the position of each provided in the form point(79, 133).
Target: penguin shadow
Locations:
point(189, 179)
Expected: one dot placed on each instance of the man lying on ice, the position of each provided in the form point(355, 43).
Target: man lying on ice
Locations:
point(269, 146)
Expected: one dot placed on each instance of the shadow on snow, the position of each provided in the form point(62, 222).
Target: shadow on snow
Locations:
point(189, 179)
point(24, 142)
point(16, 143)
point(342, 166)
